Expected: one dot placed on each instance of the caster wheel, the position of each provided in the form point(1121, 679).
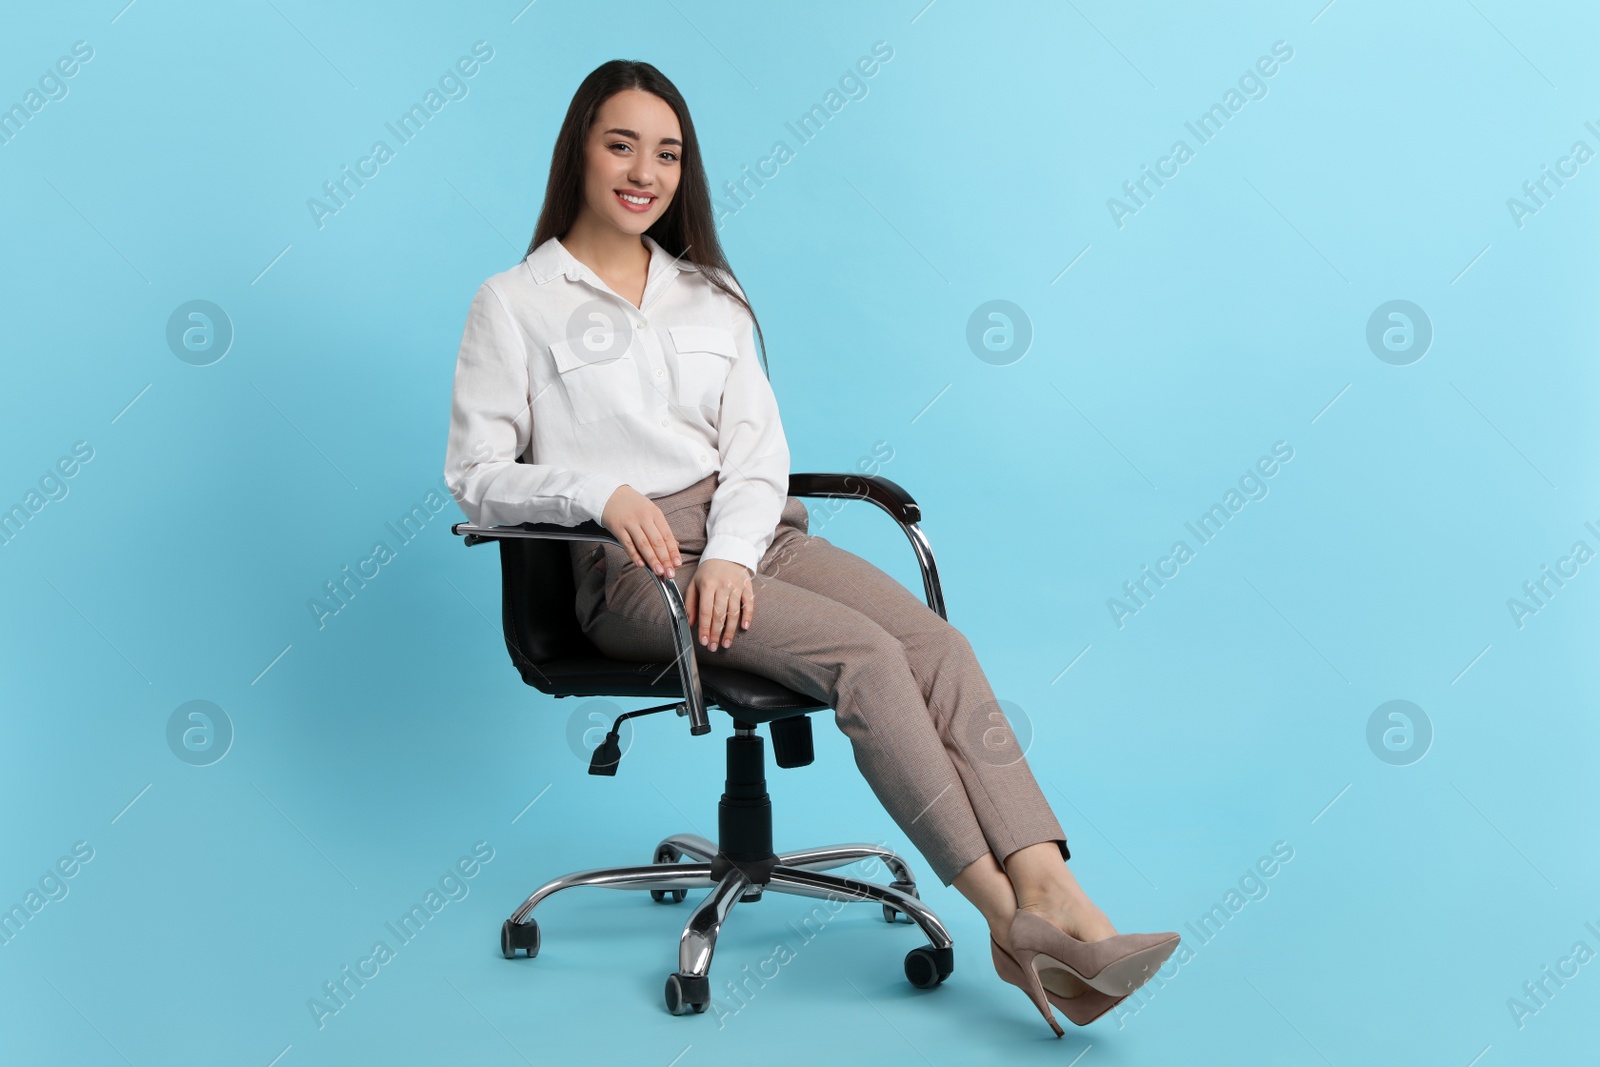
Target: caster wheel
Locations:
point(687, 993)
point(927, 966)
point(524, 936)
point(668, 896)
point(892, 914)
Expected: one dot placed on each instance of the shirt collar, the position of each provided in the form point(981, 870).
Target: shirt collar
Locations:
point(551, 260)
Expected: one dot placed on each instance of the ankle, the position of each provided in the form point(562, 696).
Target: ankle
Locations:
point(1001, 937)
point(1077, 916)
point(1049, 901)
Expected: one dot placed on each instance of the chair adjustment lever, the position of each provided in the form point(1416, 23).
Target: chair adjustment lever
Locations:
point(608, 753)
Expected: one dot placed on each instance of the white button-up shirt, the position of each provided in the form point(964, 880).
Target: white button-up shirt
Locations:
point(596, 393)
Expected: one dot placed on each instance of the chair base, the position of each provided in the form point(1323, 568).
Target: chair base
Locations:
point(742, 870)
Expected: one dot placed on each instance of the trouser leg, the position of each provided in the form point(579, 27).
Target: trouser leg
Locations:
point(1000, 787)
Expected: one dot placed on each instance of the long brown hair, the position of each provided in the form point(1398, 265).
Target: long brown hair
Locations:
point(687, 228)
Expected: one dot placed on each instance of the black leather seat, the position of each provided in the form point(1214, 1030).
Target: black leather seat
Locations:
point(554, 656)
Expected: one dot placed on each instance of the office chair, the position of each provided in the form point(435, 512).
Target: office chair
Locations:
point(553, 654)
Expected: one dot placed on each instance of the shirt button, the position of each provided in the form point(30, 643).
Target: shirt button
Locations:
point(663, 422)
point(702, 457)
point(638, 325)
point(659, 373)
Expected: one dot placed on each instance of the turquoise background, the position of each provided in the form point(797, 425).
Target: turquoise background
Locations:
point(1229, 714)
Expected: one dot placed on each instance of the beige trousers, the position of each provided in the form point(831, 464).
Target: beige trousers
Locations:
point(929, 737)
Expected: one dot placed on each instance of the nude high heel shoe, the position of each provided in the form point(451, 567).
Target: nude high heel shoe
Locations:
point(1082, 1009)
point(1116, 965)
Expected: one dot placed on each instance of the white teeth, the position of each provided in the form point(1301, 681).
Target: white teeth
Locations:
point(634, 199)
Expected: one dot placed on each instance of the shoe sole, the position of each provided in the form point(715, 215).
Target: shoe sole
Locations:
point(1121, 977)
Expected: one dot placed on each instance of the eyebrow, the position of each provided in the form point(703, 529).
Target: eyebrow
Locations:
point(636, 137)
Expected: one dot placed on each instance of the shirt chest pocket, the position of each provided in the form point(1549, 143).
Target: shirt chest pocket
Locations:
point(705, 355)
point(599, 376)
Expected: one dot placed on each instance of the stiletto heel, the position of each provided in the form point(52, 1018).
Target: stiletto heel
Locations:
point(1082, 1009)
point(1027, 980)
point(1116, 965)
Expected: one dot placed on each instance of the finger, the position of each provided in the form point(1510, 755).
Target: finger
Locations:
point(731, 627)
point(659, 532)
point(668, 542)
point(645, 536)
point(748, 609)
point(737, 609)
point(626, 537)
point(703, 622)
point(719, 617)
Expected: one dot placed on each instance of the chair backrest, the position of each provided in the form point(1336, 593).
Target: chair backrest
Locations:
point(537, 603)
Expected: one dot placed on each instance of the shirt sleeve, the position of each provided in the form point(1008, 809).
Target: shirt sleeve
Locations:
point(491, 424)
point(753, 478)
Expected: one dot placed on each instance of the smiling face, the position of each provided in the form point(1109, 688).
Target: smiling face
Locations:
point(632, 160)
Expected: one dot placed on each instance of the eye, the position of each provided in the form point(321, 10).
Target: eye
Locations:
point(670, 155)
point(620, 144)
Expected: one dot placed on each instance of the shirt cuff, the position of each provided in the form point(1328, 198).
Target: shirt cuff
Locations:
point(737, 549)
point(591, 499)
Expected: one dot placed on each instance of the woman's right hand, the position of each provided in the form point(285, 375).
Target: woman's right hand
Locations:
point(636, 521)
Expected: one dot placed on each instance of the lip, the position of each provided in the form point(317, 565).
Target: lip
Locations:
point(637, 209)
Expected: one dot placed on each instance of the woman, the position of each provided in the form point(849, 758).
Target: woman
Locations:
point(618, 357)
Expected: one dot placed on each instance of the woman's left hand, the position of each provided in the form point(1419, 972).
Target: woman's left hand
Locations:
point(720, 599)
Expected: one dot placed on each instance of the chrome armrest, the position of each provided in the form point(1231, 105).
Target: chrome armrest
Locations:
point(892, 499)
point(682, 635)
